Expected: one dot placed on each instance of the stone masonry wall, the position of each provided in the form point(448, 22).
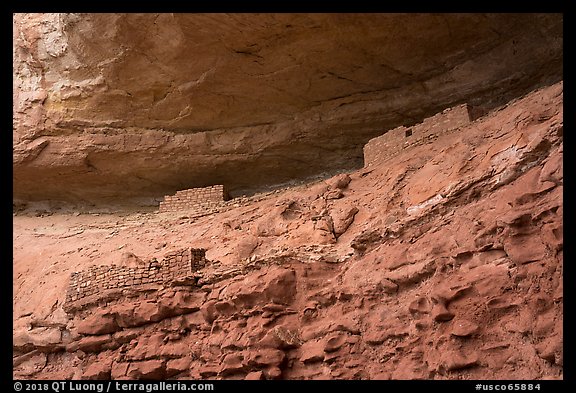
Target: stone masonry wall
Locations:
point(107, 282)
point(394, 141)
point(196, 201)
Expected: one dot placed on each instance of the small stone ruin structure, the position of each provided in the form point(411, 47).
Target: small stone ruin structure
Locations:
point(99, 284)
point(195, 201)
point(394, 141)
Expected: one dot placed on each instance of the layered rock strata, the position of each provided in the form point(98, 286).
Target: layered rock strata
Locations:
point(443, 262)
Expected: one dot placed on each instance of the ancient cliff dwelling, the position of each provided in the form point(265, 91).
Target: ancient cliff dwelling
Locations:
point(288, 196)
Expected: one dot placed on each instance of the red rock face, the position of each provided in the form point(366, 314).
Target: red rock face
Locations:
point(128, 108)
point(444, 262)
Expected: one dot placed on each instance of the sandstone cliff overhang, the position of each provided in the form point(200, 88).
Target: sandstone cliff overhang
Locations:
point(111, 107)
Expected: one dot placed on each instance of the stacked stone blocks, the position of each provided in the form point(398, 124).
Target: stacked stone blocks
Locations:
point(197, 201)
point(396, 140)
point(100, 282)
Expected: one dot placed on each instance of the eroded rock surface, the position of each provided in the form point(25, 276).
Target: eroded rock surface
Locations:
point(468, 286)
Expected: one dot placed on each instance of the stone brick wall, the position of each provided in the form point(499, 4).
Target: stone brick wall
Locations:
point(195, 201)
point(394, 141)
point(108, 282)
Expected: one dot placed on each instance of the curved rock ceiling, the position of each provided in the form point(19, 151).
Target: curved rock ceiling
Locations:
point(119, 107)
